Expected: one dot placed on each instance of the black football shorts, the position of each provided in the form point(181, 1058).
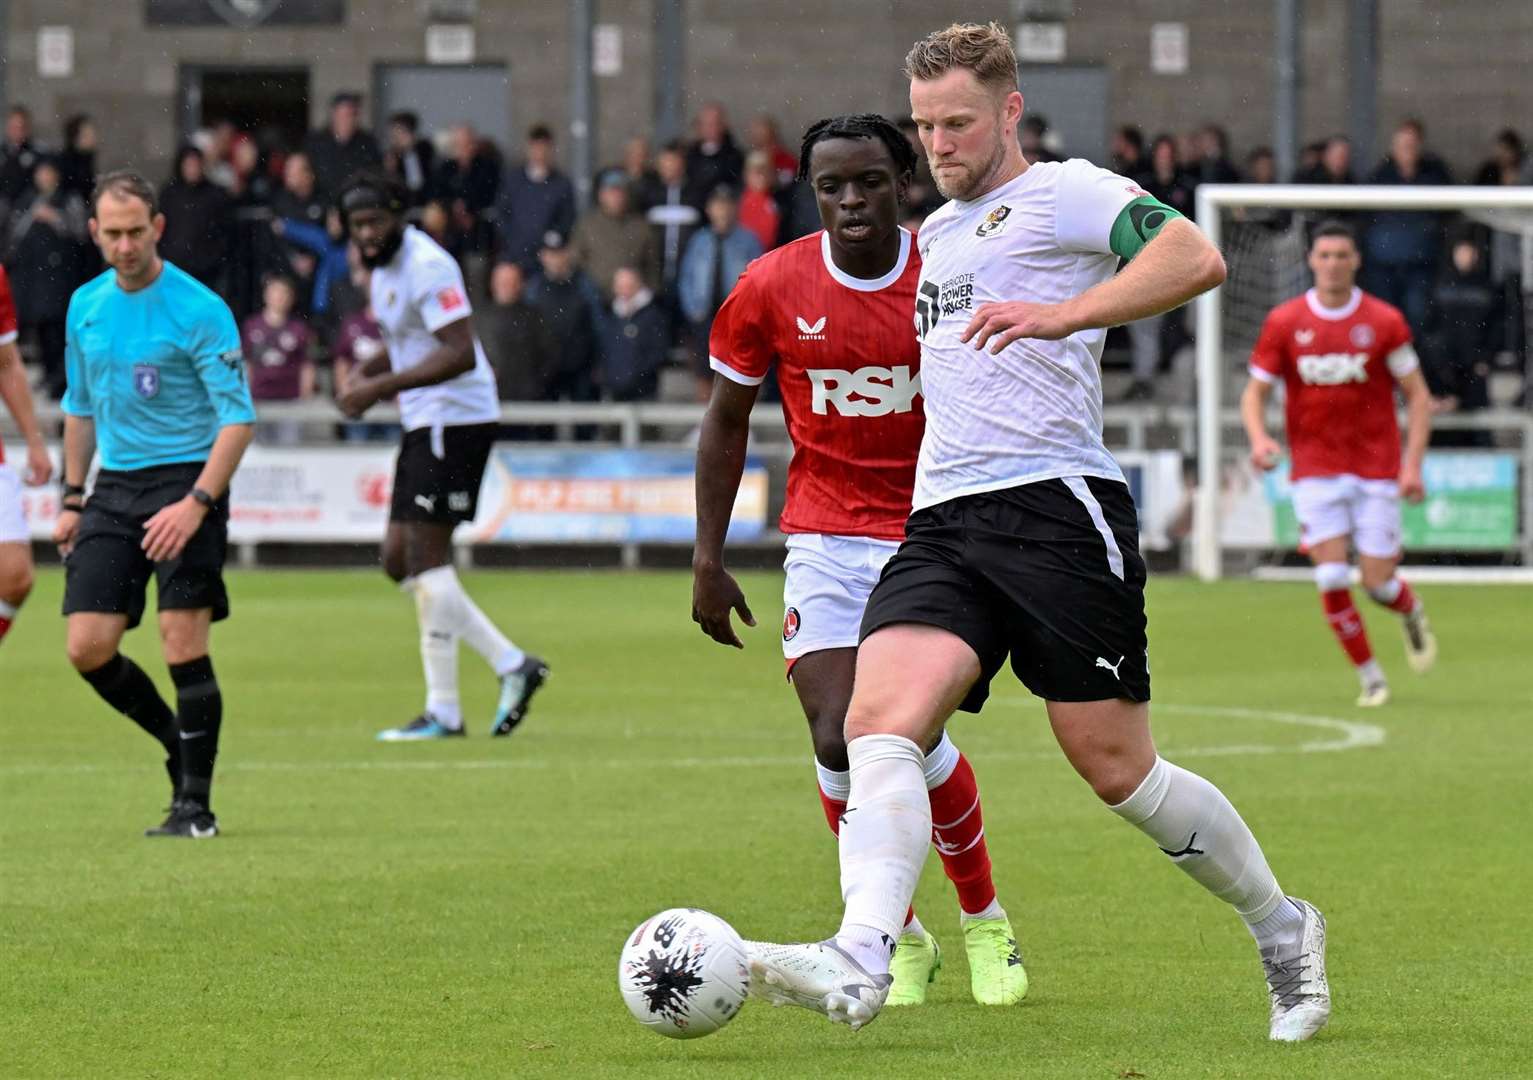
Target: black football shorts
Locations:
point(437, 476)
point(108, 571)
point(1048, 574)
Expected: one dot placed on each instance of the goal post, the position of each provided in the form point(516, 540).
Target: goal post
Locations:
point(1213, 358)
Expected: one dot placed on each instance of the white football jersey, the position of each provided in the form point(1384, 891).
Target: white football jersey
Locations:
point(1035, 411)
point(420, 291)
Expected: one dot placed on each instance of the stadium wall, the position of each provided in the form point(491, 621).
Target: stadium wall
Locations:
point(796, 59)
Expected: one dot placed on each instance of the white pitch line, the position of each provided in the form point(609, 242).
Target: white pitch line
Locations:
point(1354, 736)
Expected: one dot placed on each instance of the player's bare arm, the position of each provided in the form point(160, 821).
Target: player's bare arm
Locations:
point(166, 533)
point(1265, 450)
point(18, 399)
point(453, 357)
point(1174, 267)
point(721, 449)
point(1418, 429)
point(79, 448)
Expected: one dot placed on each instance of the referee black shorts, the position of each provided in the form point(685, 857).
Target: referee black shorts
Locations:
point(1048, 574)
point(108, 572)
point(437, 476)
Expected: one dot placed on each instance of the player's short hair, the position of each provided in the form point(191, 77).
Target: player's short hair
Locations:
point(1332, 227)
point(125, 184)
point(984, 49)
point(859, 126)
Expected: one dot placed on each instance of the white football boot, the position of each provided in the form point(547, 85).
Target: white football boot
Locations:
point(818, 976)
point(1374, 694)
point(1420, 642)
point(1301, 995)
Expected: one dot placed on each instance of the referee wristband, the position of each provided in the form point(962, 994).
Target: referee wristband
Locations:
point(73, 489)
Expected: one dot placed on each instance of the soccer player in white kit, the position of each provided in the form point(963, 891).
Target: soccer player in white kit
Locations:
point(449, 408)
point(15, 540)
point(1339, 354)
point(1024, 540)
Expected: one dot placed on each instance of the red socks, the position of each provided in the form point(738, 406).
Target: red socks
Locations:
point(1347, 624)
point(958, 834)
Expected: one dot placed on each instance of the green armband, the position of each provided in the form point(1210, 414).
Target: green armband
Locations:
point(1138, 223)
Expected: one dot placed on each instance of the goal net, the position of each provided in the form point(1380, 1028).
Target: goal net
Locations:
point(1480, 491)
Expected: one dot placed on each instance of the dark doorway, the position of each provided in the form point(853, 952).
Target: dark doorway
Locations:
point(271, 104)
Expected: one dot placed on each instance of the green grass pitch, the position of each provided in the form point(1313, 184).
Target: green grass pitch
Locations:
point(457, 909)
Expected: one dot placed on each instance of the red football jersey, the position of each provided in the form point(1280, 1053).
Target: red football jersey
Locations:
point(1338, 367)
point(848, 363)
point(7, 322)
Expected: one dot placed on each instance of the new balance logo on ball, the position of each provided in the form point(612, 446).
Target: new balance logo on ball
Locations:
point(1333, 369)
point(879, 390)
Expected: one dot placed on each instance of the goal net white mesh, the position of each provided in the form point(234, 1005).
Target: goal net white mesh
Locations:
point(1478, 494)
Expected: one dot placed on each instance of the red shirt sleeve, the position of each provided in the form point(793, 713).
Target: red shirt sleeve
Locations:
point(1270, 351)
point(7, 310)
point(738, 347)
point(1397, 331)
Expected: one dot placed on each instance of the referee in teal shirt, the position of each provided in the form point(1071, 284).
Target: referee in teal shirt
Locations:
point(157, 385)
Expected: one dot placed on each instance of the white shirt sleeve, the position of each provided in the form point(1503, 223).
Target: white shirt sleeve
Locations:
point(1087, 201)
point(1403, 361)
point(440, 293)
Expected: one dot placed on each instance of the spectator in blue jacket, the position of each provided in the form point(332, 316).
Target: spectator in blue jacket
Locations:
point(535, 199)
point(636, 338)
point(715, 258)
point(328, 246)
point(1402, 248)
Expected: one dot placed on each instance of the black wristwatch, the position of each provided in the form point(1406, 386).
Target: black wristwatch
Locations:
point(73, 498)
point(203, 497)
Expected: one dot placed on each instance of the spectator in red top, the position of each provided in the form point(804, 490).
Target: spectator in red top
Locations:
point(763, 138)
point(277, 346)
point(759, 211)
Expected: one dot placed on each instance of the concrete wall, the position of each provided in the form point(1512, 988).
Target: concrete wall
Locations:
point(1464, 74)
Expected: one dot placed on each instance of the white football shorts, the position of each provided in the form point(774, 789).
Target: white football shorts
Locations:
point(827, 587)
point(1366, 510)
point(13, 523)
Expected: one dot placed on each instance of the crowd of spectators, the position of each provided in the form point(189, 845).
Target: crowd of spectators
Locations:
point(594, 302)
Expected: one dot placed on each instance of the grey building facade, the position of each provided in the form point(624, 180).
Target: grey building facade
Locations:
point(1462, 69)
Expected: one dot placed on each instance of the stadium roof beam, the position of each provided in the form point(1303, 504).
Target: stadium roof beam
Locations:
point(582, 99)
point(1362, 78)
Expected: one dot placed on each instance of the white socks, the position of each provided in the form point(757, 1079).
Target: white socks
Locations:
point(439, 652)
point(1191, 821)
point(884, 836)
point(462, 618)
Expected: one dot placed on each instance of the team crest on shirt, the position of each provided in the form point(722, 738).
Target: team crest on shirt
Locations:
point(1303, 336)
point(449, 298)
point(790, 624)
point(994, 222)
point(1362, 335)
point(146, 380)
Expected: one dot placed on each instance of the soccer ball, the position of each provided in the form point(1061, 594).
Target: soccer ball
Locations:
point(683, 973)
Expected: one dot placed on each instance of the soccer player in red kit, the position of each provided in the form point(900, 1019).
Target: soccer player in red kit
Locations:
point(15, 540)
point(834, 311)
point(1339, 353)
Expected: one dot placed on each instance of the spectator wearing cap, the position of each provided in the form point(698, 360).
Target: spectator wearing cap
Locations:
point(609, 236)
point(409, 158)
point(516, 340)
point(673, 218)
point(759, 211)
point(343, 147)
point(45, 257)
point(535, 199)
point(713, 158)
point(18, 155)
point(199, 221)
point(636, 340)
point(467, 181)
point(715, 259)
point(571, 309)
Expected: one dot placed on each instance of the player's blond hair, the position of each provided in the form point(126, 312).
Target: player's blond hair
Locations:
point(984, 49)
